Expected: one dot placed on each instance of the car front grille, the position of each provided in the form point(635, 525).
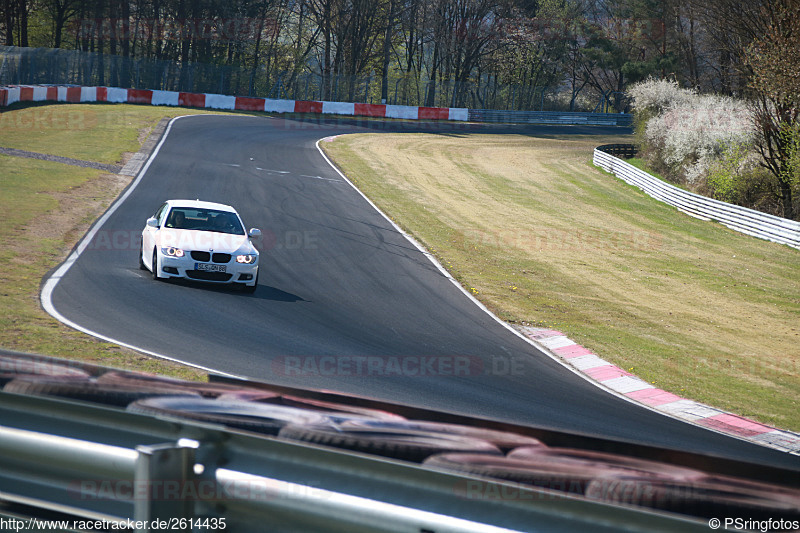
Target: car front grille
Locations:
point(208, 276)
point(205, 257)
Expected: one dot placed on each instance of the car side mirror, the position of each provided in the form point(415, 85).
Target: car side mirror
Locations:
point(152, 222)
point(254, 232)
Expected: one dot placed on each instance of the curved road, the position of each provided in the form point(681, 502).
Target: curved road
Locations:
point(345, 302)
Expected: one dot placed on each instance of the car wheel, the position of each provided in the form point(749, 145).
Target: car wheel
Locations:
point(154, 265)
point(141, 262)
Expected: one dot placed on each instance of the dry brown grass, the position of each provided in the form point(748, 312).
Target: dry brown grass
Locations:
point(545, 238)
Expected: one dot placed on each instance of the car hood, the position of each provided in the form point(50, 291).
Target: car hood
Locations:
point(204, 240)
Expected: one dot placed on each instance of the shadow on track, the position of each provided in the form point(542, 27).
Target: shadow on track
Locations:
point(263, 292)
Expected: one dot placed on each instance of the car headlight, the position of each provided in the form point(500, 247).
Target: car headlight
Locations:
point(172, 251)
point(248, 259)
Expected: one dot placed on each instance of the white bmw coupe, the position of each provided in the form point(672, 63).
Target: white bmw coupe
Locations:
point(202, 241)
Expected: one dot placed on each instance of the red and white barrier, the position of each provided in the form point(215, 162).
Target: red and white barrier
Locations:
point(12, 94)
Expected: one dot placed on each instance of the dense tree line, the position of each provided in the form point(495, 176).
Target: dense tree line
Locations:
point(573, 51)
point(513, 54)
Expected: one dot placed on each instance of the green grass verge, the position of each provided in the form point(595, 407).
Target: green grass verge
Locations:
point(639, 163)
point(542, 237)
point(47, 207)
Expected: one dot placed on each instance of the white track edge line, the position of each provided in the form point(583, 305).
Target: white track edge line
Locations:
point(527, 339)
point(52, 280)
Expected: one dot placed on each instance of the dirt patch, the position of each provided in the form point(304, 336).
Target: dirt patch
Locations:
point(143, 134)
point(77, 209)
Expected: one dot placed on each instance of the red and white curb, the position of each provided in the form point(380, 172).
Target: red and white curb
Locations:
point(72, 94)
point(618, 380)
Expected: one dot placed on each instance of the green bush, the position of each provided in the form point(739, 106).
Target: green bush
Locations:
point(727, 176)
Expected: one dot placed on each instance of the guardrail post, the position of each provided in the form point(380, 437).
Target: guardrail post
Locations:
point(163, 472)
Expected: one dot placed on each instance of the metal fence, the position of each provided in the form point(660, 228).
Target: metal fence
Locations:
point(619, 150)
point(737, 218)
point(550, 117)
point(33, 66)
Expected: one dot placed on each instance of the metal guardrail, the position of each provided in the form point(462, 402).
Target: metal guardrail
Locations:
point(550, 117)
point(92, 462)
point(741, 219)
point(619, 150)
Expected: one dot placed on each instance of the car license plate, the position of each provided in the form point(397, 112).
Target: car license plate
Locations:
point(209, 268)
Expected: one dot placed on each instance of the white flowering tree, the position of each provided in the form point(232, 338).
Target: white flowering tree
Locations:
point(689, 133)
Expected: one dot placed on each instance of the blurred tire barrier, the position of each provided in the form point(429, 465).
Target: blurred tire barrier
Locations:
point(741, 219)
point(14, 367)
point(170, 385)
point(84, 389)
point(504, 440)
point(558, 469)
point(82, 460)
point(250, 416)
point(707, 497)
point(407, 444)
point(255, 395)
point(589, 458)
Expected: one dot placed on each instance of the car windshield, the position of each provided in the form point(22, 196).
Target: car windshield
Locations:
point(204, 220)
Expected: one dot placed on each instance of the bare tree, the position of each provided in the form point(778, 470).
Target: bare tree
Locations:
point(61, 12)
point(773, 59)
point(9, 14)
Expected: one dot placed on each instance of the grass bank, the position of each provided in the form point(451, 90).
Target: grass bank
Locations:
point(542, 237)
point(46, 207)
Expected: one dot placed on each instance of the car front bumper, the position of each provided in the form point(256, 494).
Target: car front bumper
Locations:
point(187, 268)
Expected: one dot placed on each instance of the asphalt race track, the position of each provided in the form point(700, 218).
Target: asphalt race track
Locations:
point(337, 280)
